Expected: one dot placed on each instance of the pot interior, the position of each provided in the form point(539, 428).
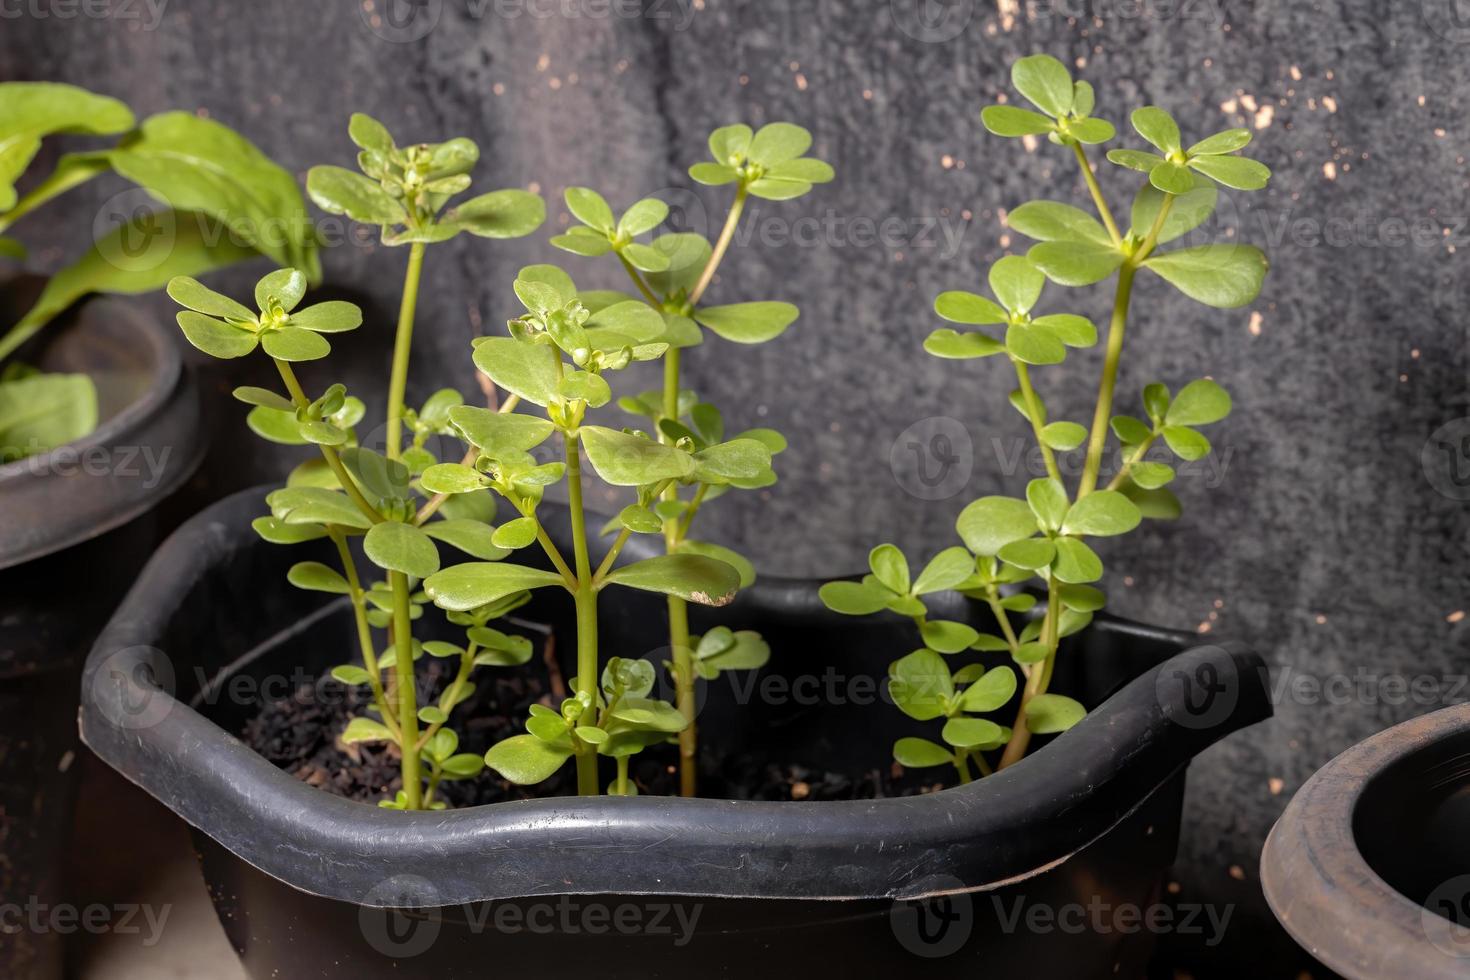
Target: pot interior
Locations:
point(1410, 825)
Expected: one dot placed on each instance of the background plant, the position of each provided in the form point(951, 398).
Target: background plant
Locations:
point(672, 273)
point(1010, 541)
point(226, 202)
point(354, 491)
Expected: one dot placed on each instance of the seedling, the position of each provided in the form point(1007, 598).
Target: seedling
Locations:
point(1008, 541)
point(354, 491)
point(228, 203)
point(672, 273)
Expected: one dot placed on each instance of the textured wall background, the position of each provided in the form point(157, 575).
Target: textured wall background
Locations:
point(1316, 533)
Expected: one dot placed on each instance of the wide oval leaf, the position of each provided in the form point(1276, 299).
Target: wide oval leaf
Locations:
point(462, 587)
point(401, 548)
point(694, 578)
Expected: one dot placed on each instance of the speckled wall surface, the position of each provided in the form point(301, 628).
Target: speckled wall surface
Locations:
point(1316, 534)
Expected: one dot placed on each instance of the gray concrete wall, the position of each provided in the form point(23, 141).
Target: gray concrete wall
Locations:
point(1318, 537)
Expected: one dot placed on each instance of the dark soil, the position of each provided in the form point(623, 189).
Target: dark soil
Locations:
point(299, 734)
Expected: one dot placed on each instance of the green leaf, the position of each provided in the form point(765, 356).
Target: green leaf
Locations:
point(315, 576)
point(366, 730)
point(649, 714)
point(1083, 598)
point(645, 258)
point(1198, 403)
point(1188, 212)
point(1091, 131)
point(294, 344)
point(1129, 430)
point(194, 295)
point(640, 520)
point(853, 598)
point(729, 144)
point(1050, 713)
point(626, 460)
point(30, 111)
point(1016, 282)
point(196, 164)
point(1227, 141)
point(338, 190)
point(1076, 563)
point(1223, 275)
point(1028, 553)
point(1151, 476)
point(748, 323)
point(508, 213)
point(1171, 178)
point(645, 215)
point(333, 316)
point(1158, 127)
point(890, 567)
point(970, 733)
point(499, 433)
point(1064, 436)
point(992, 691)
point(315, 505)
point(527, 370)
point(276, 531)
point(350, 674)
point(1075, 263)
point(694, 578)
point(921, 685)
point(1156, 505)
point(369, 134)
point(778, 142)
point(526, 760)
point(920, 753)
point(1052, 221)
point(40, 412)
point(1046, 82)
point(451, 478)
point(1034, 345)
point(1032, 653)
point(1070, 329)
point(807, 170)
point(958, 306)
point(1237, 172)
point(1135, 159)
point(946, 343)
point(589, 244)
point(1156, 400)
point(1102, 513)
point(1186, 443)
point(990, 523)
point(730, 557)
point(285, 286)
point(516, 534)
point(1048, 501)
point(732, 462)
point(401, 548)
point(590, 207)
point(472, 537)
point(463, 587)
point(1012, 121)
point(713, 174)
point(946, 636)
point(945, 571)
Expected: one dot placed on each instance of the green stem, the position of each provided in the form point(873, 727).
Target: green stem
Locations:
point(622, 786)
point(288, 376)
point(726, 235)
point(638, 281)
point(451, 695)
point(1033, 410)
point(678, 609)
point(1037, 680)
point(1097, 195)
point(364, 629)
point(408, 712)
point(585, 598)
point(402, 342)
point(1004, 620)
point(77, 170)
point(961, 764)
point(1133, 459)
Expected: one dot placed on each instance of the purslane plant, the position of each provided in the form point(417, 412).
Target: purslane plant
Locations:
point(227, 202)
point(1010, 541)
point(353, 491)
point(672, 273)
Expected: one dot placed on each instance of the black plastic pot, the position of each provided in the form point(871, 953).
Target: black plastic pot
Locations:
point(1369, 866)
point(74, 529)
point(302, 879)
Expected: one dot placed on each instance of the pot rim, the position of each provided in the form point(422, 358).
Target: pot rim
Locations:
point(169, 387)
point(1004, 828)
point(1326, 894)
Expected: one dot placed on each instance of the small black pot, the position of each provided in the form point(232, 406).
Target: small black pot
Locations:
point(306, 883)
point(74, 529)
point(1369, 866)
